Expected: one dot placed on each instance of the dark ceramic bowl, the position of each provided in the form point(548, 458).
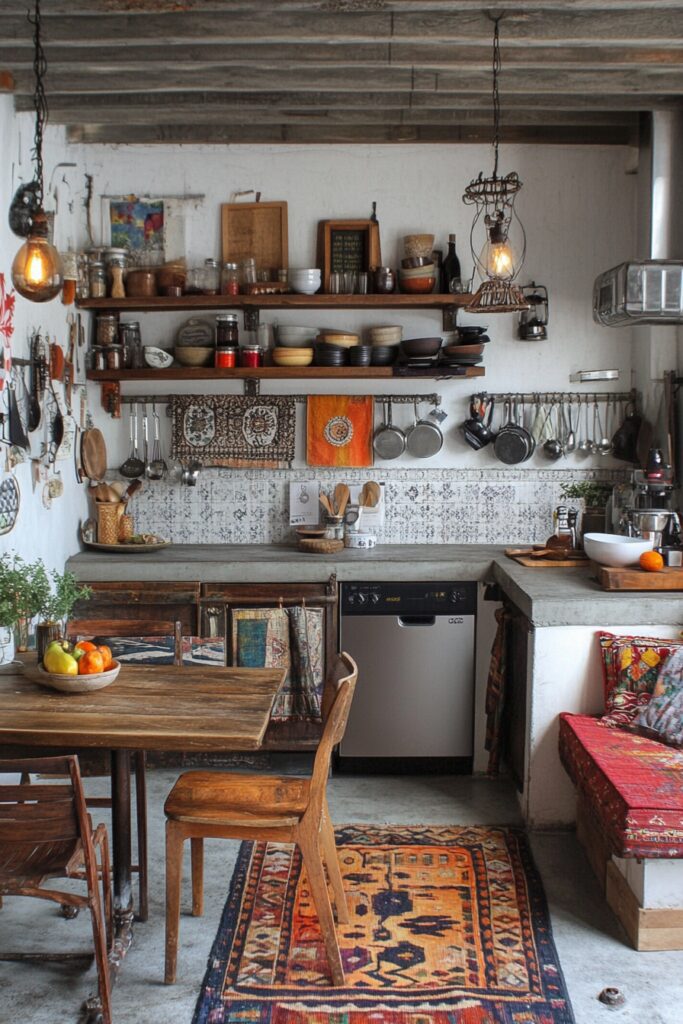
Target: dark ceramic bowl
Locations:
point(360, 355)
point(410, 262)
point(383, 355)
point(420, 347)
point(469, 333)
point(454, 351)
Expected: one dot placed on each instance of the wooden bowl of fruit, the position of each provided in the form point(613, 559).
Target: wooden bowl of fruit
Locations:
point(79, 668)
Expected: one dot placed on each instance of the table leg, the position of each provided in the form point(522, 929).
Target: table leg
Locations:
point(121, 855)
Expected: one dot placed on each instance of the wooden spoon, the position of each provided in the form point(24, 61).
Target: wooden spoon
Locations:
point(325, 502)
point(370, 494)
point(103, 492)
point(341, 498)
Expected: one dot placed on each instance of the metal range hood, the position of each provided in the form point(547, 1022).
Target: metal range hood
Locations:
point(649, 290)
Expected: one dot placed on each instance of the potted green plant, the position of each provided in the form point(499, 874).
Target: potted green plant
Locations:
point(594, 495)
point(24, 588)
point(63, 591)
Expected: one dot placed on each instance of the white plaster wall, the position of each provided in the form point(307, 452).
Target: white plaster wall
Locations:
point(40, 533)
point(566, 675)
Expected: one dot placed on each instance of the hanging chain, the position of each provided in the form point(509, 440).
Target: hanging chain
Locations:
point(496, 97)
point(39, 98)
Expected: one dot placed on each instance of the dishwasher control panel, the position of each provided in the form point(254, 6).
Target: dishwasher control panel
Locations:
point(409, 598)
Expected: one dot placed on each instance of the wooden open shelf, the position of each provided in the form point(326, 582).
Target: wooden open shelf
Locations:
point(280, 373)
point(189, 303)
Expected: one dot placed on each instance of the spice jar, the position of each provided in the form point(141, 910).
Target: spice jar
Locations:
point(251, 356)
point(230, 281)
point(226, 357)
point(211, 277)
point(227, 332)
point(114, 357)
point(107, 329)
point(98, 358)
point(82, 282)
point(97, 280)
point(247, 272)
point(116, 264)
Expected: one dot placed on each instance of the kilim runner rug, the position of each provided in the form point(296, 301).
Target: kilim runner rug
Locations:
point(448, 925)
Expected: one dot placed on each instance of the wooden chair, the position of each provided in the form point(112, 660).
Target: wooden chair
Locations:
point(122, 628)
point(46, 833)
point(222, 805)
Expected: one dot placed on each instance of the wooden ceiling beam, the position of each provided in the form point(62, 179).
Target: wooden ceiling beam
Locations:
point(109, 7)
point(609, 25)
point(339, 134)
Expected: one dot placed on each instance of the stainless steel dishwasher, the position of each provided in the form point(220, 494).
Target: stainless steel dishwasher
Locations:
point(413, 705)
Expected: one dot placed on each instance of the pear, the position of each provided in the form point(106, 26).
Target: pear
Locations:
point(56, 659)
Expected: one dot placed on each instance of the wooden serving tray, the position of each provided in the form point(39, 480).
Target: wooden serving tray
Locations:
point(669, 578)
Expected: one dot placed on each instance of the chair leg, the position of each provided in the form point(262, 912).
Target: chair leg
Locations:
point(197, 857)
point(141, 820)
point(312, 858)
point(331, 857)
point(174, 872)
point(101, 841)
point(101, 958)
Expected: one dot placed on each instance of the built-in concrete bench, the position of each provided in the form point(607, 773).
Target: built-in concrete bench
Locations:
point(629, 818)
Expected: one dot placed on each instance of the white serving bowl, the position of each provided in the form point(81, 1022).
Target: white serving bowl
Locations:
point(305, 287)
point(615, 550)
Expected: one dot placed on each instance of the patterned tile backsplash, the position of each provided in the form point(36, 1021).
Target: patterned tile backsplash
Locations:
point(439, 506)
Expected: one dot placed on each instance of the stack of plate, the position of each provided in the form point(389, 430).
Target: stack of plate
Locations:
point(463, 355)
point(289, 336)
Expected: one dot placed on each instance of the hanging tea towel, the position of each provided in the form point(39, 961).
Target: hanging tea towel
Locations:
point(339, 430)
point(234, 431)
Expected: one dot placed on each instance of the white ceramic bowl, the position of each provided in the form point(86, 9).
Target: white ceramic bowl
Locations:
point(305, 286)
point(615, 550)
point(360, 540)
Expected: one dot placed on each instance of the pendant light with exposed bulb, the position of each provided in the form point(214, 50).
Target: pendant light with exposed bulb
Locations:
point(500, 258)
point(37, 267)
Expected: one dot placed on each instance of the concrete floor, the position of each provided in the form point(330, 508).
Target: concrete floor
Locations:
point(592, 948)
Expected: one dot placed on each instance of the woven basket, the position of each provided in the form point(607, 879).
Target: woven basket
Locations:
point(320, 546)
point(108, 515)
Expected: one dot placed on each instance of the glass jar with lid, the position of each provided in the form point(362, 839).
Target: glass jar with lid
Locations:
point(251, 356)
point(227, 331)
point(230, 281)
point(106, 329)
point(97, 279)
point(130, 339)
point(211, 277)
point(247, 272)
point(116, 265)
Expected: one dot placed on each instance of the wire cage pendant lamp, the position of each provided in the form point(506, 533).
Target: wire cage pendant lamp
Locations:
point(499, 259)
point(37, 268)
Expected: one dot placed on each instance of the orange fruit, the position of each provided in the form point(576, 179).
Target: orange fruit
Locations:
point(651, 561)
point(91, 662)
point(106, 655)
point(85, 645)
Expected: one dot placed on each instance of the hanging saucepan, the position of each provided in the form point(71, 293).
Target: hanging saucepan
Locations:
point(424, 438)
point(389, 441)
point(511, 445)
point(526, 434)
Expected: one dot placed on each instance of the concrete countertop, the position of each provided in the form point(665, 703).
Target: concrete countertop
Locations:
point(547, 596)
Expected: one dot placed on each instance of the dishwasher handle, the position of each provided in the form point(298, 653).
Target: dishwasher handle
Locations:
point(416, 620)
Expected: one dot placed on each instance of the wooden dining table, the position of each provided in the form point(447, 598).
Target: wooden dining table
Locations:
point(190, 708)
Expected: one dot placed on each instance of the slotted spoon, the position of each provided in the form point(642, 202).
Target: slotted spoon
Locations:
point(133, 466)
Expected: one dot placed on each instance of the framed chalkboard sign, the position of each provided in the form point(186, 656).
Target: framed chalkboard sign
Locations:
point(347, 245)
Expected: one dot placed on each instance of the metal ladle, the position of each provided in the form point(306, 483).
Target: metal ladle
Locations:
point(584, 446)
point(156, 468)
point(553, 448)
point(133, 466)
point(570, 440)
point(604, 444)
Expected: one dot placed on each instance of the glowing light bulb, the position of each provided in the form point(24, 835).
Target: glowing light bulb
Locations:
point(499, 258)
point(37, 267)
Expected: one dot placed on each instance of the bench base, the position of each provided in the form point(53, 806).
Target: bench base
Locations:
point(657, 928)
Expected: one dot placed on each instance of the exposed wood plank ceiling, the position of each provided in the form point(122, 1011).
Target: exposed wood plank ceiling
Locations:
point(336, 71)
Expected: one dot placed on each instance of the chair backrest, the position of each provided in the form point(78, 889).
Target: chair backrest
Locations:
point(38, 821)
point(130, 628)
point(341, 689)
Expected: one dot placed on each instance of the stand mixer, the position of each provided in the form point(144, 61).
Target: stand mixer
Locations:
point(645, 509)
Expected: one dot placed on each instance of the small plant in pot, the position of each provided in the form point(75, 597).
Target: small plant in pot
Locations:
point(594, 495)
point(24, 588)
point(63, 592)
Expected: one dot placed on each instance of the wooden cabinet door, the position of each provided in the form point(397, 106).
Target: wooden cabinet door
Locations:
point(155, 600)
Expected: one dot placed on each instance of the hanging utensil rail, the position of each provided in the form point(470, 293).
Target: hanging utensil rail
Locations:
point(558, 396)
point(430, 399)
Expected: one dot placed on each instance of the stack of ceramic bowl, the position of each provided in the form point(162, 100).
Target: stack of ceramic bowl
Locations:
point(304, 282)
point(464, 346)
point(384, 341)
point(418, 274)
point(289, 336)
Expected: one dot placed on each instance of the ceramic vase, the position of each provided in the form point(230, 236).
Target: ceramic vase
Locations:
point(6, 648)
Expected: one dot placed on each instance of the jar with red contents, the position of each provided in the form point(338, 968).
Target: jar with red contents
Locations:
point(230, 279)
point(226, 357)
point(251, 356)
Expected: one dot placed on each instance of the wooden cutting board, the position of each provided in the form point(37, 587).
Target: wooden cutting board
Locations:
point(544, 563)
point(669, 578)
point(255, 229)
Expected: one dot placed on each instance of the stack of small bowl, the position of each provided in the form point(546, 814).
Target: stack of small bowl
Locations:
point(464, 346)
point(305, 282)
point(384, 343)
point(294, 345)
point(335, 348)
point(418, 274)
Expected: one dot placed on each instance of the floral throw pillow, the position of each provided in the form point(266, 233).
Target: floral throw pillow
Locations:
point(662, 717)
point(630, 666)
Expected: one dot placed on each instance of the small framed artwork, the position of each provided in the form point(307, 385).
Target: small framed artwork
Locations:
point(347, 246)
point(135, 223)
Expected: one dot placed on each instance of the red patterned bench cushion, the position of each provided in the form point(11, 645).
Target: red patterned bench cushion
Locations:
point(633, 785)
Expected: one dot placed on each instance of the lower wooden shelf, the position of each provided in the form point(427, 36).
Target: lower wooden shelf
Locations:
point(285, 373)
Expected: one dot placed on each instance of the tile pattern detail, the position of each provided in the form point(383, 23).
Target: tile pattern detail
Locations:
point(440, 506)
